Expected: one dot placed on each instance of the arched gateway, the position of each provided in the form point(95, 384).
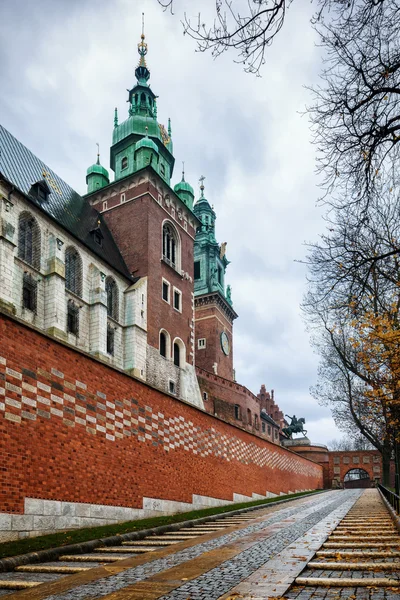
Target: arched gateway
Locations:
point(357, 478)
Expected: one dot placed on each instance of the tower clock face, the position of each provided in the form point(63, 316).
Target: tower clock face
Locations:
point(225, 343)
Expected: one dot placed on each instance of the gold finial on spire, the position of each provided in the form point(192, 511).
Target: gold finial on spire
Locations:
point(183, 170)
point(98, 153)
point(143, 26)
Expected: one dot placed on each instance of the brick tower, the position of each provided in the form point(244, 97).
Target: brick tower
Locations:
point(214, 314)
point(154, 227)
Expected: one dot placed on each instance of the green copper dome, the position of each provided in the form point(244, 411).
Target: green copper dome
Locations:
point(183, 186)
point(96, 177)
point(98, 169)
point(146, 142)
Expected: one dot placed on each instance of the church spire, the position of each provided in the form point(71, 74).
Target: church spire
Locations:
point(142, 73)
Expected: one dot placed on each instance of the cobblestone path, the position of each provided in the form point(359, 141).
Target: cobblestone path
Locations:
point(206, 568)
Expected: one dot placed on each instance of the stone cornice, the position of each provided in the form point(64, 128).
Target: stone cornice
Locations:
point(216, 298)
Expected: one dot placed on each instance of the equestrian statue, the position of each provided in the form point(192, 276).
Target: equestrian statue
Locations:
point(296, 426)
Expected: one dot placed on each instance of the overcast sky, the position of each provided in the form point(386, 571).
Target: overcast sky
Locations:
point(65, 65)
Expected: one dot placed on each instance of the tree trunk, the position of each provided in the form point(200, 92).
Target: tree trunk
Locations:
point(386, 456)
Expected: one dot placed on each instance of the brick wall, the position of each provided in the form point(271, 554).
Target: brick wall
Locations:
point(342, 462)
point(136, 224)
point(210, 321)
point(75, 430)
point(223, 395)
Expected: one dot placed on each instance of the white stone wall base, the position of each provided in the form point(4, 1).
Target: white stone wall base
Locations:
point(42, 517)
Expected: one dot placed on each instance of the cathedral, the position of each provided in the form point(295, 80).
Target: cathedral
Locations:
point(131, 273)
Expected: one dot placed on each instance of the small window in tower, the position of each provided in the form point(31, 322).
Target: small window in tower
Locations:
point(256, 423)
point(72, 318)
point(172, 389)
point(205, 396)
point(110, 340)
point(276, 434)
point(263, 427)
point(219, 275)
point(104, 205)
point(201, 343)
point(162, 169)
point(249, 416)
point(237, 411)
point(124, 163)
point(197, 270)
point(177, 300)
point(165, 291)
point(269, 429)
point(122, 197)
point(29, 292)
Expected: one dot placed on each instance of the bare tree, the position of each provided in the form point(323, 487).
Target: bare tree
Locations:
point(248, 27)
point(349, 298)
point(356, 443)
point(356, 113)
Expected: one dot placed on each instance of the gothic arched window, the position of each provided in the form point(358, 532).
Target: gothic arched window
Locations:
point(170, 245)
point(73, 271)
point(29, 240)
point(112, 298)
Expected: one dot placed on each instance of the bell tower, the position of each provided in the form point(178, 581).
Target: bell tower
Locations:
point(214, 313)
point(155, 227)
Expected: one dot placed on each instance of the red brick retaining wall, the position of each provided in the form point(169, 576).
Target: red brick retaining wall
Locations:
point(73, 429)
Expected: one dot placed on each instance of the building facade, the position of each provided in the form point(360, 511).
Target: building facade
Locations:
point(132, 272)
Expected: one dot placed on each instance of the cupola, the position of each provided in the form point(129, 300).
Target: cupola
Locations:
point(96, 176)
point(146, 153)
point(184, 190)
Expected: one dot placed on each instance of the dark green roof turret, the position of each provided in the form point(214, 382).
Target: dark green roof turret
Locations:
point(146, 142)
point(96, 176)
point(185, 191)
point(97, 168)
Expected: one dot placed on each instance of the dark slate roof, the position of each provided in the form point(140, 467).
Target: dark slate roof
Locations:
point(265, 416)
point(22, 168)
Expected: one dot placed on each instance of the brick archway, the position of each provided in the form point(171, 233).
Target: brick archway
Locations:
point(340, 463)
point(357, 477)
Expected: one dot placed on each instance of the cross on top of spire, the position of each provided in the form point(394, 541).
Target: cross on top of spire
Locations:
point(201, 179)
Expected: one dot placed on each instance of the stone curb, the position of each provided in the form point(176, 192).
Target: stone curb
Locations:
point(395, 517)
point(9, 564)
